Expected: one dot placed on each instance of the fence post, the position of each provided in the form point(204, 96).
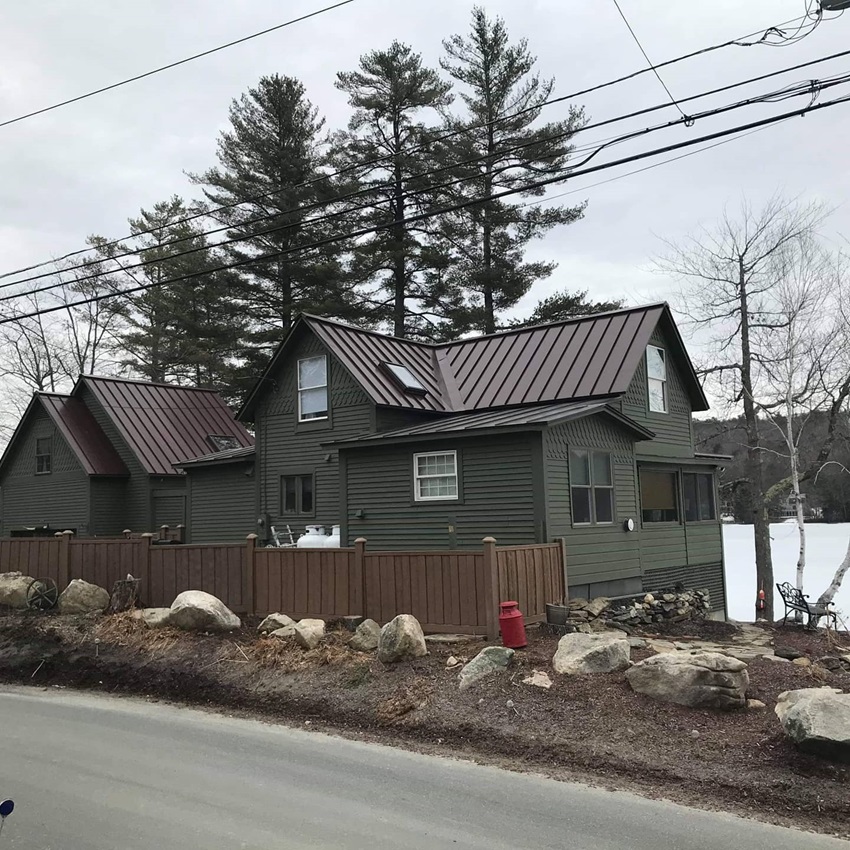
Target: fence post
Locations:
point(360, 562)
point(181, 533)
point(127, 533)
point(163, 532)
point(563, 541)
point(491, 588)
point(145, 560)
point(65, 558)
point(250, 547)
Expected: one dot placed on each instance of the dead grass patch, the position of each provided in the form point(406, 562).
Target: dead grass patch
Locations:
point(409, 697)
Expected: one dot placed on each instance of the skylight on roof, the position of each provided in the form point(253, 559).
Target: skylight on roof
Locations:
point(405, 378)
point(222, 443)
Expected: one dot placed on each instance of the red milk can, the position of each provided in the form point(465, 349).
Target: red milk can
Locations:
point(512, 625)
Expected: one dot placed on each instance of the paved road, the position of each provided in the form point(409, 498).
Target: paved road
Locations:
point(95, 773)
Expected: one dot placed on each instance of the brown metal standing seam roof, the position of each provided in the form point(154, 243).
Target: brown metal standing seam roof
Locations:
point(75, 423)
point(164, 424)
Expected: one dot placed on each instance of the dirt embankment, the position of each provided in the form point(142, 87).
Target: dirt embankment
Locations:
point(589, 728)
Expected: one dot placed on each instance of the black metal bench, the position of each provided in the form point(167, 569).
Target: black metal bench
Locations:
point(796, 600)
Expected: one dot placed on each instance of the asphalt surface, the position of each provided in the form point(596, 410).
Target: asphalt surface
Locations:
point(90, 772)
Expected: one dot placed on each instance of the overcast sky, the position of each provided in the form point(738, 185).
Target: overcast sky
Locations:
point(85, 168)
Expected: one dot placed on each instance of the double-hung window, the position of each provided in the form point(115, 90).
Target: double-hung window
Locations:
point(698, 489)
point(656, 378)
point(296, 494)
point(435, 476)
point(591, 487)
point(43, 455)
point(312, 388)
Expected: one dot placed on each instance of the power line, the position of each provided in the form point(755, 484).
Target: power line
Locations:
point(809, 87)
point(648, 60)
point(162, 68)
point(741, 41)
point(453, 208)
point(790, 91)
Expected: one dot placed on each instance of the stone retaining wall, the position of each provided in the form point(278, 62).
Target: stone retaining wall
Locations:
point(643, 609)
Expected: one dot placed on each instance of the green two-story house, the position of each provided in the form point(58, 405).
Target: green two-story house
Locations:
point(578, 430)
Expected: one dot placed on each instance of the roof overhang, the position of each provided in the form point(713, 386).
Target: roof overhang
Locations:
point(244, 455)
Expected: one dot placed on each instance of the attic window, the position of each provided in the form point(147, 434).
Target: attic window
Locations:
point(222, 443)
point(656, 374)
point(405, 378)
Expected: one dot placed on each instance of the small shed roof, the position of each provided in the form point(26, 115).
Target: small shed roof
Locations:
point(215, 458)
point(499, 421)
point(164, 424)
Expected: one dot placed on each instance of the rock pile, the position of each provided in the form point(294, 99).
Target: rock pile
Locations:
point(642, 610)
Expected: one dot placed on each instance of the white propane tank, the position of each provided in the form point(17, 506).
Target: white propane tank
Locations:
point(332, 542)
point(313, 539)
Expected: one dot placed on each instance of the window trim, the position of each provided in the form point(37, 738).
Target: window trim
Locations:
point(298, 512)
point(417, 498)
point(326, 386)
point(663, 381)
point(677, 489)
point(714, 499)
point(592, 487)
point(48, 455)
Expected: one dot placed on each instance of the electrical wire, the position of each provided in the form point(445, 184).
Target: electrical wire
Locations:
point(138, 77)
point(787, 92)
point(648, 60)
point(741, 41)
point(425, 216)
point(791, 90)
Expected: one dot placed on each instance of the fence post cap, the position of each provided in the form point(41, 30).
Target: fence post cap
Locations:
point(489, 540)
point(360, 540)
point(127, 531)
point(252, 537)
point(70, 533)
point(147, 534)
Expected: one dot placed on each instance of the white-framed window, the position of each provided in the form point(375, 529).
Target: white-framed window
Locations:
point(591, 487)
point(656, 378)
point(435, 476)
point(43, 455)
point(313, 388)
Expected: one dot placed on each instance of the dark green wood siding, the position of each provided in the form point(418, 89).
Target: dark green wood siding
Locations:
point(288, 447)
point(59, 499)
point(388, 419)
point(222, 503)
point(594, 553)
point(708, 576)
point(673, 434)
point(497, 489)
point(107, 506)
point(137, 496)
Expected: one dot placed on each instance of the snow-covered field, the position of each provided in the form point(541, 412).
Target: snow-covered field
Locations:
point(825, 549)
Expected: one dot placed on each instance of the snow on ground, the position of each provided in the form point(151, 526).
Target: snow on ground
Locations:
point(825, 549)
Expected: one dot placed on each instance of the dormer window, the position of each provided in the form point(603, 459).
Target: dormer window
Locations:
point(405, 378)
point(656, 378)
point(223, 443)
point(312, 388)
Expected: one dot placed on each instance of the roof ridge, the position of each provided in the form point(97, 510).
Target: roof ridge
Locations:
point(163, 384)
point(52, 394)
point(381, 334)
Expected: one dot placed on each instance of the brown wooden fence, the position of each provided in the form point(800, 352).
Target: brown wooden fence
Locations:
point(447, 591)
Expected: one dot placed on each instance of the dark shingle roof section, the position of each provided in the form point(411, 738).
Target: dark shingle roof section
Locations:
point(164, 424)
point(76, 424)
point(518, 419)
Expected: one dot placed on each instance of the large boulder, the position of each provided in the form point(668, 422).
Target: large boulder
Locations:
point(284, 633)
point(400, 639)
point(155, 618)
point(697, 679)
point(817, 720)
point(13, 589)
point(273, 622)
point(490, 660)
point(601, 652)
point(195, 610)
point(308, 633)
point(81, 597)
point(366, 637)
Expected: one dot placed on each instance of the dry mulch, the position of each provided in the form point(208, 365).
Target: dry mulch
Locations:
point(589, 728)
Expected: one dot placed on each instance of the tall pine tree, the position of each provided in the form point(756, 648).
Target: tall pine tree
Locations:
point(188, 332)
point(504, 97)
point(392, 93)
point(272, 164)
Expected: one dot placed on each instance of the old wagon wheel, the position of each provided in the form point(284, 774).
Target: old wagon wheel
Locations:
point(42, 594)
